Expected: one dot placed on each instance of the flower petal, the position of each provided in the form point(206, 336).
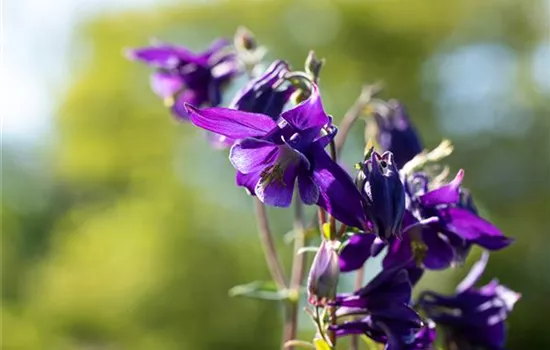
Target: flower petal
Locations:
point(447, 194)
point(252, 155)
point(248, 181)
point(338, 194)
point(356, 251)
point(166, 84)
point(308, 113)
point(309, 192)
point(440, 254)
point(163, 56)
point(230, 123)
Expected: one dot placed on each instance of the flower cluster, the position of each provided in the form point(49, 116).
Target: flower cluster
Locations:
point(282, 144)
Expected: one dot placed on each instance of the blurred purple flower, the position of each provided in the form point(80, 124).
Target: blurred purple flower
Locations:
point(184, 77)
point(397, 134)
point(473, 317)
point(271, 156)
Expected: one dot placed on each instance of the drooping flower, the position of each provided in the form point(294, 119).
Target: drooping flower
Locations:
point(384, 194)
point(271, 157)
point(267, 94)
point(397, 134)
point(184, 77)
point(473, 317)
point(442, 226)
point(381, 310)
point(323, 275)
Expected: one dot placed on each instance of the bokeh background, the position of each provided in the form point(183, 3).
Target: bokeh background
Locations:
point(122, 229)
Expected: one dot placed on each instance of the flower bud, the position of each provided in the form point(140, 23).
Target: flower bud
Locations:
point(323, 275)
point(397, 134)
point(384, 193)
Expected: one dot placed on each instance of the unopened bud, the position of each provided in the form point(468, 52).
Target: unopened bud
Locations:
point(324, 274)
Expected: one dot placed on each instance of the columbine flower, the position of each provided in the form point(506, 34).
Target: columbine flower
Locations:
point(323, 275)
point(182, 76)
point(380, 310)
point(266, 94)
point(384, 194)
point(397, 134)
point(442, 225)
point(474, 317)
point(271, 157)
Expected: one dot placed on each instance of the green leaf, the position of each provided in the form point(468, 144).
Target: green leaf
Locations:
point(259, 290)
point(321, 344)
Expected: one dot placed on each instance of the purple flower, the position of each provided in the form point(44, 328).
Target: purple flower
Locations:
point(423, 339)
point(266, 94)
point(443, 224)
point(397, 135)
point(271, 157)
point(358, 249)
point(323, 275)
point(381, 310)
point(473, 317)
point(184, 77)
point(384, 194)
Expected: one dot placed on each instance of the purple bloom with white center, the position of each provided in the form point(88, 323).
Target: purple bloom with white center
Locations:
point(323, 275)
point(444, 223)
point(381, 310)
point(185, 77)
point(270, 157)
point(384, 194)
point(267, 94)
point(473, 317)
point(396, 134)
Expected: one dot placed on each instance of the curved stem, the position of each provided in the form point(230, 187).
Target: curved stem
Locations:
point(358, 284)
point(297, 273)
point(268, 246)
point(367, 93)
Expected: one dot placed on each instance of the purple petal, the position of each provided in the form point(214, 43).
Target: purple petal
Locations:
point(440, 254)
point(399, 251)
point(447, 194)
point(163, 56)
point(187, 96)
point(308, 113)
point(231, 123)
point(248, 181)
point(338, 194)
point(166, 84)
point(252, 155)
point(474, 228)
point(356, 251)
point(475, 273)
point(309, 192)
point(278, 192)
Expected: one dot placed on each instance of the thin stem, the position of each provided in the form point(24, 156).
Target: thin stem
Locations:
point(268, 246)
point(367, 93)
point(298, 269)
point(358, 285)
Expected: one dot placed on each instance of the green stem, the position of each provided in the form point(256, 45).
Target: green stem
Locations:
point(268, 246)
point(297, 272)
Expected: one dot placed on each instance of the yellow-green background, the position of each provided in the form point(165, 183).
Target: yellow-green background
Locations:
point(124, 230)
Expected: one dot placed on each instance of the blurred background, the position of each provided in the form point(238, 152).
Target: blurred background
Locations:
point(123, 230)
